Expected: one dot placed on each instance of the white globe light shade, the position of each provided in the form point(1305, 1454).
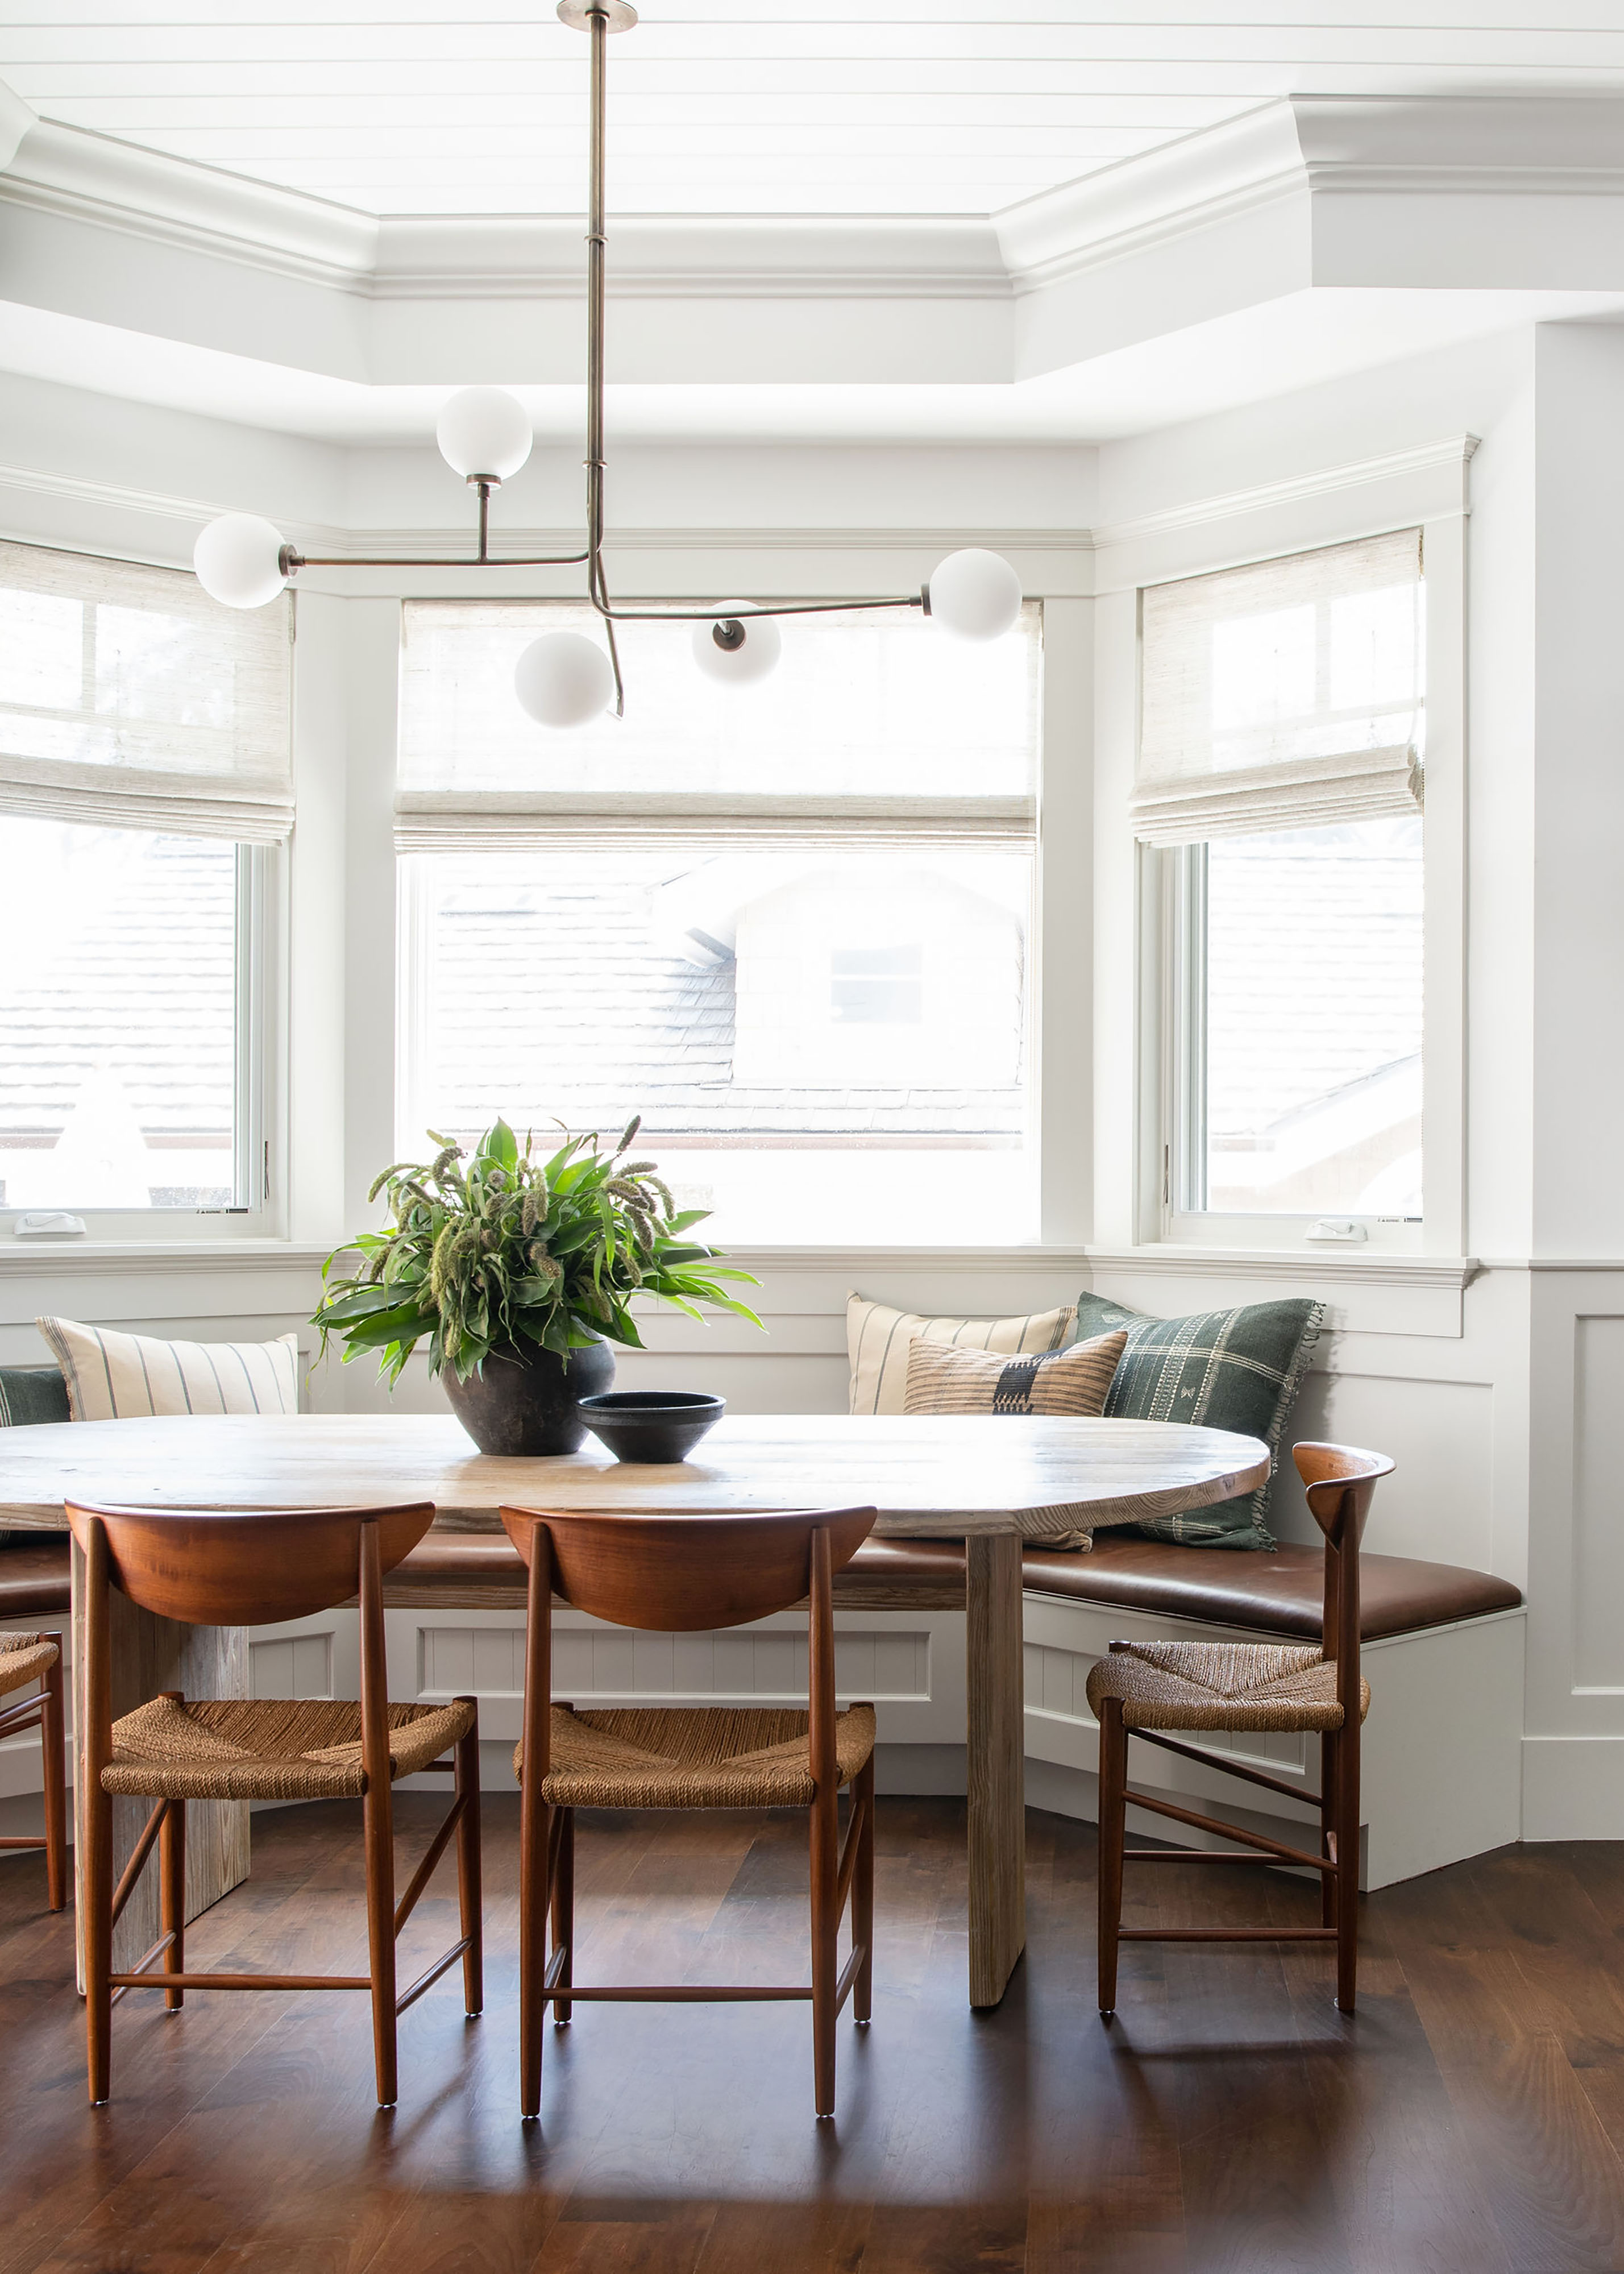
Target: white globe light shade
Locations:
point(564, 679)
point(756, 654)
point(484, 433)
point(974, 594)
point(239, 561)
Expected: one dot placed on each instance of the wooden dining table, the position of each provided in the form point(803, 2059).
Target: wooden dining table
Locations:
point(989, 1480)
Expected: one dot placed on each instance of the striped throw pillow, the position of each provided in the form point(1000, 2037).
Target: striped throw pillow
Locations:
point(878, 1338)
point(122, 1377)
point(943, 1379)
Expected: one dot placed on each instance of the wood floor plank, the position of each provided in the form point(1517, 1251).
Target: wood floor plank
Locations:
point(1550, 2176)
point(1468, 2120)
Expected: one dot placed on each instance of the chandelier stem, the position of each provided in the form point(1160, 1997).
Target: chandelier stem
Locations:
point(597, 25)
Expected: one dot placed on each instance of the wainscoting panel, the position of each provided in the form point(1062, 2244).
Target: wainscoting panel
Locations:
point(1598, 1536)
point(1437, 1503)
point(291, 1666)
point(911, 1664)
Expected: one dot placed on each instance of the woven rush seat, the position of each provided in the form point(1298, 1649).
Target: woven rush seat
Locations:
point(267, 1748)
point(697, 1757)
point(1221, 1685)
point(24, 1658)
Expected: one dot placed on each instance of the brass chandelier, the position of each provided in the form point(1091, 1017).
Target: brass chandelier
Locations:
point(564, 679)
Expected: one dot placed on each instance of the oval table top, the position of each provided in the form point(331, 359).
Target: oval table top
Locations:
point(954, 1474)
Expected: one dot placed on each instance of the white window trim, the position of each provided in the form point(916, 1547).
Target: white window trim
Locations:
point(256, 1172)
point(1431, 494)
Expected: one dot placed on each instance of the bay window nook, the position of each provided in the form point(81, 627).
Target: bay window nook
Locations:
point(811, 1278)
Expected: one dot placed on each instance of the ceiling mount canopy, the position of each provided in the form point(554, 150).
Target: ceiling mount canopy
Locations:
point(564, 679)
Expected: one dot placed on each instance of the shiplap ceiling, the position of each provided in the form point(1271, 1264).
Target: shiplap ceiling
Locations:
point(748, 106)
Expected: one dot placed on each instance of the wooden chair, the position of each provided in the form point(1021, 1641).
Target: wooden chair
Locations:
point(1146, 1689)
point(684, 1574)
point(247, 1568)
point(26, 1659)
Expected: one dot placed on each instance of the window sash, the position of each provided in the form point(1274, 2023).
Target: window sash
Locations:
point(473, 771)
point(1180, 880)
point(1328, 748)
point(254, 1081)
point(188, 734)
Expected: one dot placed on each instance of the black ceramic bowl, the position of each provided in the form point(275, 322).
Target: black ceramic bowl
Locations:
point(651, 1424)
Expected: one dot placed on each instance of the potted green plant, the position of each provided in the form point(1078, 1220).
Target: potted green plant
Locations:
point(521, 1274)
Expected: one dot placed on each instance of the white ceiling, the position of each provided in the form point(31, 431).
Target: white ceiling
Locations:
point(748, 106)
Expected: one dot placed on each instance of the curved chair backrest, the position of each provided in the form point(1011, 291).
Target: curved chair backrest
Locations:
point(682, 1574)
point(244, 1567)
point(1342, 1480)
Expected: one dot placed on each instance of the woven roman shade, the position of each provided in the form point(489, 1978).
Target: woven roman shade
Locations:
point(130, 700)
point(874, 730)
point(1285, 694)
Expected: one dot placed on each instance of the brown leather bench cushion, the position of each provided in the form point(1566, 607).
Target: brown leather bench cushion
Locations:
point(33, 1578)
point(1279, 1593)
point(1269, 1594)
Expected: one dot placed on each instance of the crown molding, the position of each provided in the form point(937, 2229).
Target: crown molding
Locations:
point(1455, 145)
point(190, 514)
point(17, 118)
point(1293, 149)
point(1456, 451)
point(73, 174)
point(1219, 173)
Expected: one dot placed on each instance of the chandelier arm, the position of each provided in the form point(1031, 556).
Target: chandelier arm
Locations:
point(719, 615)
point(292, 561)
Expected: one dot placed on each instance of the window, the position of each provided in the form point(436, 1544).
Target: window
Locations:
point(790, 929)
point(1280, 779)
point(144, 776)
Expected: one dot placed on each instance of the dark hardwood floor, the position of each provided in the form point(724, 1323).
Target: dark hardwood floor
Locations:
point(1469, 2120)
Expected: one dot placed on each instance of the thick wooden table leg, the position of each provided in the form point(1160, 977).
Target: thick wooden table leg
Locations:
point(150, 1654)
point(997, 1812)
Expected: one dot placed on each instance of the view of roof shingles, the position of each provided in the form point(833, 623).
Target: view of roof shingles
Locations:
point(557, 1002)
point(136, 981)
point(1313, 971)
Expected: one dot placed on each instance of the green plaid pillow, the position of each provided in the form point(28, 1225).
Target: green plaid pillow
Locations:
point(30, 1393)
point(1237, 1370)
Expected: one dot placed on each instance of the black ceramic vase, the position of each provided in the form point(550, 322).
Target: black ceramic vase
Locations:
point(526, 1401)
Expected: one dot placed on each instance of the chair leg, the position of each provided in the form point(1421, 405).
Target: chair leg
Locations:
point(470, 1893)
point(98, 1939)
point(378, 1831)
point(1327, 1823)
point(564, 1911)
point(1113, 1830)
point(533, 1832)
point(862, 1894)
point(172, 1895)
point(1346, 1867)
point(824, 1844)
point(55, 1782)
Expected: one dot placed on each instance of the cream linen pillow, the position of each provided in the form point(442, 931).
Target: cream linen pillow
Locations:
point(122, 1377)
point(878, 1338)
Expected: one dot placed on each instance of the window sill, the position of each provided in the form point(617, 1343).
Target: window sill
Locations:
point(21, 1258)
point(1385, 1292)
point(1332, 1259)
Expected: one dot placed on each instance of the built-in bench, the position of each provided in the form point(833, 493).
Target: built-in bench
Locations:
point(1443, 1647)
point(1278, 1595)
